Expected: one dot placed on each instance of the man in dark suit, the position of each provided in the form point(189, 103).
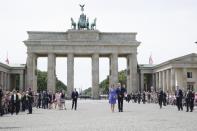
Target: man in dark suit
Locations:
point(15, 103)
point(30, 101)
point(179, 97)
point(160, 98)
point(190, 100)
point(74, 97)
point(120, 93)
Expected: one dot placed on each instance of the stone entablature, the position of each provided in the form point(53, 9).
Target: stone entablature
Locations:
point(82, 35)
point(82, 42)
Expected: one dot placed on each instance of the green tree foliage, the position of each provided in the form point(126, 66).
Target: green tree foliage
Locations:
point(87, 92)
point(104, 85)
point(42, 82)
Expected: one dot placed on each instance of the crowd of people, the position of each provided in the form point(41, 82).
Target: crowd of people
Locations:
point(15, 101)
point(179, 98)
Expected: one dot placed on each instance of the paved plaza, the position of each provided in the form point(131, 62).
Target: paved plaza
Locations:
point(95, 115)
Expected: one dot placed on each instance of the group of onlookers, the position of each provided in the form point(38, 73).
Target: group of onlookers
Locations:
point(179, 98)
point(15, 101)
point(49, 100)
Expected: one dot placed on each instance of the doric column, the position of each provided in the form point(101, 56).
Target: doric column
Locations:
point(21, 86)
point(172, 80)
point(113, 69)
point(132, 75)
point(160, 80)
point(51, 77)
point(142, 81)
point(157, 81)
point(5, 81)
point(153, 82)
point(32, 71)
point(167, 80)
point(184, 82)
point(8, 81)
point(70, 74)
point(1, 79)
point(164, 80)
point(95, 76)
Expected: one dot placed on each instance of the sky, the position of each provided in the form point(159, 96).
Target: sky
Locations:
point(166, 29)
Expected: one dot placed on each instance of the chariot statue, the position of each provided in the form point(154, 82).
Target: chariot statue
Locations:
point(83, 22)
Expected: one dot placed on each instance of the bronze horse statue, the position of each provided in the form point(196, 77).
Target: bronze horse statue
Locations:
point(73, 24)
point(93, 25)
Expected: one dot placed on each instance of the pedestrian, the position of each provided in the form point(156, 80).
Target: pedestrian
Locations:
point(160, 98)
point(112, 97)
point(190, 100)
point(39, 99)
point(74, 97)
point(164, 98)
point(62, 100)
point(179, 97)
point(138, 97)
point(1, 106)
point(144, 97)
point(30, 101)
point(121, 91)
point(14, 103)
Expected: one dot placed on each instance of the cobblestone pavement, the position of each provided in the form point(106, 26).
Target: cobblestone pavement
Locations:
point(95, 115)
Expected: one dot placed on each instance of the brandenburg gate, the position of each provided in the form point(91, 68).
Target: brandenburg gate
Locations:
point(82, 42)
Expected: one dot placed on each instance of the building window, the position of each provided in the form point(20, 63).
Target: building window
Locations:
point(189, 74)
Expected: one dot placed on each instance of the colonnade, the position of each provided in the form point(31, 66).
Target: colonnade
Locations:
point(166, 80)
point(8, 80)
point(113, 78)
point(4, 80)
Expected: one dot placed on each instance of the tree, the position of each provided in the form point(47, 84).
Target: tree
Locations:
point(42, 82)
point(104, 85)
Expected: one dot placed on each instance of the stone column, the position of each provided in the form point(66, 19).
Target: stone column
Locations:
point(8, 82)
point(184, 82)
point(113, 69)
point(51, 77)
point(5, 81)
point(153, 82)
point(167, 80)
point(21, 86)
point(1, 79)
point(156, 79)
point(164, 80)
point(132, 66)
point(142, 81)
point(70, 74)
point(173, 80)
point(160, 80)
point(95, 76)
point(32, 71)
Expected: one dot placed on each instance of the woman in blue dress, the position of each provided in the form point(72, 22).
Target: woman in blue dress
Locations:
point(112, 97)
